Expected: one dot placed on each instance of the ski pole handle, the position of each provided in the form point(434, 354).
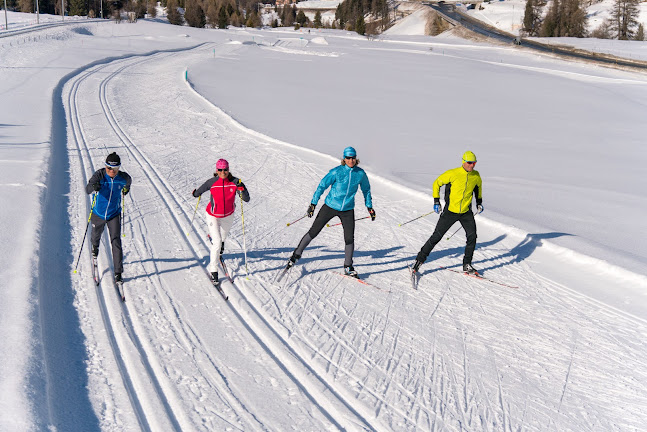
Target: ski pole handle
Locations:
point(292, 223)
point(415, 219)
point(358, 219)
point(194, 212)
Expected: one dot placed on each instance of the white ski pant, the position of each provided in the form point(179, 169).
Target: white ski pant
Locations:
point(218, 230)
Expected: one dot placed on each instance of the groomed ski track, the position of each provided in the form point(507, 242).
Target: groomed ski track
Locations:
point(316, 352)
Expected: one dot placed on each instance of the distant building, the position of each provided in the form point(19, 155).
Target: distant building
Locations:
point(284, 2)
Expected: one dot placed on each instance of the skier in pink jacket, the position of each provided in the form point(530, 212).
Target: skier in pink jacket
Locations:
point(220, 210)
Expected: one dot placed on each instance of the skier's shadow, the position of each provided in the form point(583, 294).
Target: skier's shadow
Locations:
point(520, 252)
point(191, 263)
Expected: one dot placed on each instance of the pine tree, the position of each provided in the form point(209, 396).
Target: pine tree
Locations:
point(532, 18)
point(77, 7)
point(550, 27)
point(317, 21)
point(172, 14)
point(360, 25)
point(640, 33)
point(223, 17)
point(194, 14)
point(624, 18)
point(302, 19)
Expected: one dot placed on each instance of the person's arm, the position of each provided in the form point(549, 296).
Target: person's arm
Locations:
point(94, 184)
point(242, 189)
point(205, 187)
point(365, 185)
point(324, 184)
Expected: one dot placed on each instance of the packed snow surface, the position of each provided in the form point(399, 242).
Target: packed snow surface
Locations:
point(558, 146)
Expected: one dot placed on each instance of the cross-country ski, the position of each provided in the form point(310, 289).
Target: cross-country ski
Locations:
point(182, 156)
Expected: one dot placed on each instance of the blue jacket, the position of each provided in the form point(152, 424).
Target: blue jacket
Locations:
point(108, 203)
point(344, 181)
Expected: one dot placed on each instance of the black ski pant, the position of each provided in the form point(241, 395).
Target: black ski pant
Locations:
point(114, 229)
point(323, 217)
point(445, 222)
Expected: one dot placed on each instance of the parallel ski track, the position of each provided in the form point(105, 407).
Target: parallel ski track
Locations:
point(84, 154)
point(293, 364)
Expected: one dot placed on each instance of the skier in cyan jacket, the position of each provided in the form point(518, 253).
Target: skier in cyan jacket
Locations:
point(343, 181)
point(220, 210)
point(110, 185)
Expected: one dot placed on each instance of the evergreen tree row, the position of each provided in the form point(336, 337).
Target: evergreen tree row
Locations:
point(569, 18)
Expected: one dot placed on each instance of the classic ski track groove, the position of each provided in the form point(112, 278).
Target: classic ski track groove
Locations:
point(160, 185)
point(79, 137)
point(217, 381)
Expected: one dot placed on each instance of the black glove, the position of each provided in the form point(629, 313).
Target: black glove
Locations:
point(125, 191)
point(372, 213)
point(311, 210)
point(96, 187)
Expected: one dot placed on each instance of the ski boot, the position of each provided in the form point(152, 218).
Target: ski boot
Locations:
point(214, 279)
point(350, 271)
point(415, 275)
point(118, 277)
point(470, 270)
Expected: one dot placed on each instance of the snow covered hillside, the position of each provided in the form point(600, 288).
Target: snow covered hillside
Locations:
point(562, 350)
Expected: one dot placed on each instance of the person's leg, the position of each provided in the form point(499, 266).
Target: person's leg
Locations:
point(469, 225)
point(97, 230)
point(445, 222)
point(225, 227)
point(348, 223)
point(213, 224)
point(324, 215)
point(114, 230)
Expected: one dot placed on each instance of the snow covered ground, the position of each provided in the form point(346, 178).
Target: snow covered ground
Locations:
point(559, 148)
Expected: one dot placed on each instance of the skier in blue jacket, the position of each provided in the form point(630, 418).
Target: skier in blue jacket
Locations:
point(110, 185)
point(343, 181)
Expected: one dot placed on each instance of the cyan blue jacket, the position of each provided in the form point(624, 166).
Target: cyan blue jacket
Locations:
point(108, 203)
point(344, 182)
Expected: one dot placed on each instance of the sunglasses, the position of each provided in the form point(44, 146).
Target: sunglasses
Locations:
point(111, 168)
point(223, 169)
point(470, 163)
point(350, 157)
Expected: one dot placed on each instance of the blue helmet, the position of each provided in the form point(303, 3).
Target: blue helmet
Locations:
point(350, 152)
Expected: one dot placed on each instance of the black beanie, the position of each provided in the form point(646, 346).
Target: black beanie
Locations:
point(113, 160)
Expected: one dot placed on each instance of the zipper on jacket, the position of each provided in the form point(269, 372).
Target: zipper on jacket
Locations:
point(343, 203)
point(112, 182)
point(467, 178)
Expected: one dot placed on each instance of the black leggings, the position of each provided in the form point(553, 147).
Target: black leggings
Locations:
point(323, 217)
point(445, 222)
point(114, 228)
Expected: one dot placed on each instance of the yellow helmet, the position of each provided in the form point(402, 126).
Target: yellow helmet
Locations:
point(469, 156)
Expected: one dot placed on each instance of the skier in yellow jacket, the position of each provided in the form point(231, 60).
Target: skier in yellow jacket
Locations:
point(460, 183)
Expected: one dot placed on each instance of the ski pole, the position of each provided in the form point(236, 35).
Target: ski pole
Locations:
point(194, 212)
point(291, 223)
point(94, 200)
point(426, 214)
point(242, 214)
point(459, 228)
point(328, 225)
point(123, 215)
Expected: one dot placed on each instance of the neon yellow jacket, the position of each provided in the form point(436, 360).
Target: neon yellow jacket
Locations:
point(460, 185)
